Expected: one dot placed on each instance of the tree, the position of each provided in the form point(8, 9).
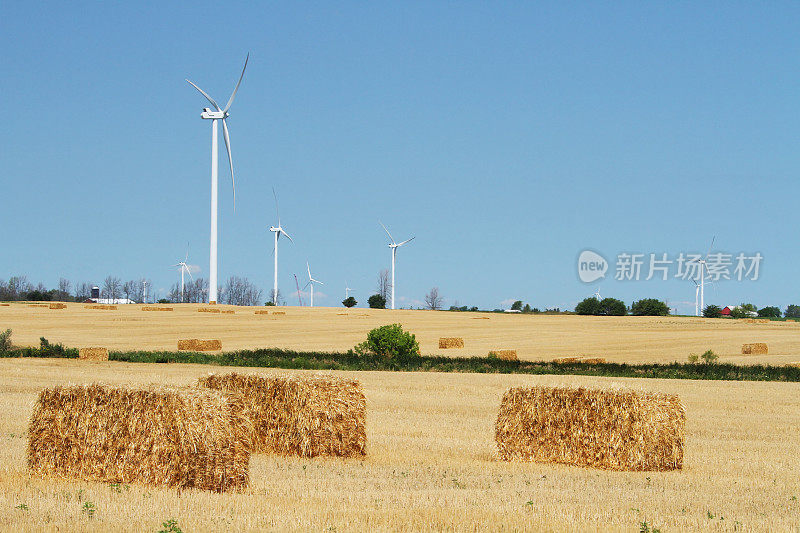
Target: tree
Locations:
point(111, 288)
point(83, 292)
point(527, 309)
point(239, 291)
point(349, 302)
point(127, 289)
point(769, 312)
point(712, 311)
point(589, 306)
point(276, 298)
point(743, 311)
point(793, 311)
point(649, 307)
point(64, 289)
point(517, 306)
point(384, 284)
point(376, 301)
point(612, 307)
point(433, 300)
point(390, 342)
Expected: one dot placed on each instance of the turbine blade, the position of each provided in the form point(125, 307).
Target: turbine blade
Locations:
point(204, 94)
point(307, 284)
point(228, 106)
point(712, 245)
point(190, 273)
point(287, 236)
point(308, 267)
point(407, 240)
point(230, 158)
point(387, 232)
point(277, 212)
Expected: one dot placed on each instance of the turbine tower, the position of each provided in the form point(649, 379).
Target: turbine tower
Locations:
point(184, 269)
point(394, 246)
point(215, 115)
point(277, 230)
point(347, 290)
point(703, 271)
point(311, 281)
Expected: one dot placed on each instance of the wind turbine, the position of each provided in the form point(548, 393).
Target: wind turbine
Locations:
point(703, 271)
point(597, 294)
point(394, 246)
point(144, 288)
point(277, 230)
point(215, 115)
point(184, 269)
point(696, 296)
point(311, 281)
point(347, 291)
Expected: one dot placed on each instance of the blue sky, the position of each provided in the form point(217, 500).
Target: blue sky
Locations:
point(508, 137)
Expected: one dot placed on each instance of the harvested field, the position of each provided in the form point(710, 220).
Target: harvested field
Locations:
point(209, 310)
point(58, 306)
point(534, 337)
point(177, 438)
point(755, 348)
point(198, 345)
point(610, 429)
point(432, 450)
point(103, 307)
point(567, 360)
point(306, 416)
point(451, 342)
point(156, 308)
point(93, 354)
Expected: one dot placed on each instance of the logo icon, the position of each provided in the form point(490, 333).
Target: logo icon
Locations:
point(591, 266)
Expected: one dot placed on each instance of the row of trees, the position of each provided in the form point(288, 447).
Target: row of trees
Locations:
point(614, 307)
point(746, 310)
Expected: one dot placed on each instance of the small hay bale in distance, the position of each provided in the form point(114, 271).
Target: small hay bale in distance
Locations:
point(199, 345)
point(505, 355)
point(609, 429)
point(451, 342)
point(262, 312)
point(228, 312)
point(58, 306)
point(102, 307)
point(38, 305)
point(208, 310)
point(93, 354)
point(173, 437)
point(755, 348)
point(593, 360)
point(304, 416)
point(279, 312)
point(561, 360)
point(156, 308)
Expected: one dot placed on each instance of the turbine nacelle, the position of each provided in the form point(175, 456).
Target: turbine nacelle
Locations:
point(214, 115)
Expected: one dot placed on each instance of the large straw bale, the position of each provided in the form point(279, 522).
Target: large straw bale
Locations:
point(198, 345)
point(208, 310)
point(305, 416)
point(279, 312)
point(451, 342)
point(156, 308)
point(228, 312)
point(5, 305)
point(58, 305)
point(611, 429)
point(93, 354)
point(505, 355)
point(174, 437)
point(101, 306)
point(262, 312)
point(38, 305)
point(593, 360)
point(755, 348)
point(567, 360)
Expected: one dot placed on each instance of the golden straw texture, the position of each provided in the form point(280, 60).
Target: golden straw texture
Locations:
point(173, 437)
point(58, 306)
point(505, 355)
point(208, 310)
point(198, 345)
point(610, 429)
point(451, 342)
point(305, 416)
point(93, 354)
point(156, 308)
point(101, 306)
point(756, 348)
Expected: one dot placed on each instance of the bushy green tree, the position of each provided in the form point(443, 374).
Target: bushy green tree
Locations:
point(391, 342)
point(589, 306)
point(712, 311)
point(649, 307)
point(743, 311)
point(769, 312)
point(5, 341)
point(612, 307)
point(517, 306)
point(376, 301)
point(793, 311)
point(349, 302)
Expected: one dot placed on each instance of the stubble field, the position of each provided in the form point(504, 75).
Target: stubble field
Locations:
point(431, 459)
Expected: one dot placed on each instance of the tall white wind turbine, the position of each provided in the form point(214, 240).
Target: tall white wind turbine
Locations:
point(347, 290)
point(277, 230)
point(394, 246)
point(696, 296)
point(215, 115)
point(184, 269)
point(703, 270)
point(311, 282)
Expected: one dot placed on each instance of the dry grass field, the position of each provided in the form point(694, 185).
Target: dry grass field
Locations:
point(534, 337)
point(431, 465)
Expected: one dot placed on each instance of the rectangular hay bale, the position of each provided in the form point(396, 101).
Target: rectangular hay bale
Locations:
point(505, 355)
point(262, 312)
point(199, 345)
point(610, 429)
point(755, 348)
point(208, 310)
point(593, 360)
point(562, 360)
point(93, 354)
point(156, 308)
point(101, 306)
point(58, 306)
point(304, 416)
point(175, 437)
point(451, 342)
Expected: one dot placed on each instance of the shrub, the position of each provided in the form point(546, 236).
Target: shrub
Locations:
point(708, 357)
point(769, 312)
point(712, 311)
point(390, 342)
point(349, 302)
point(649, 307)
point(5, 341)
point(589, 306)
point(376, 301)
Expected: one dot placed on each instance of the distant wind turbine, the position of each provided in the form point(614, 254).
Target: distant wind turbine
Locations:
point(277, 230)
point(311, 282)
point(214, 115)
point(703, 271)
point(347, 290)
point(394, 246)
point(184, 269)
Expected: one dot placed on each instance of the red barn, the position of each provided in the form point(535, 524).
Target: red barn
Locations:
point(726, 311)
